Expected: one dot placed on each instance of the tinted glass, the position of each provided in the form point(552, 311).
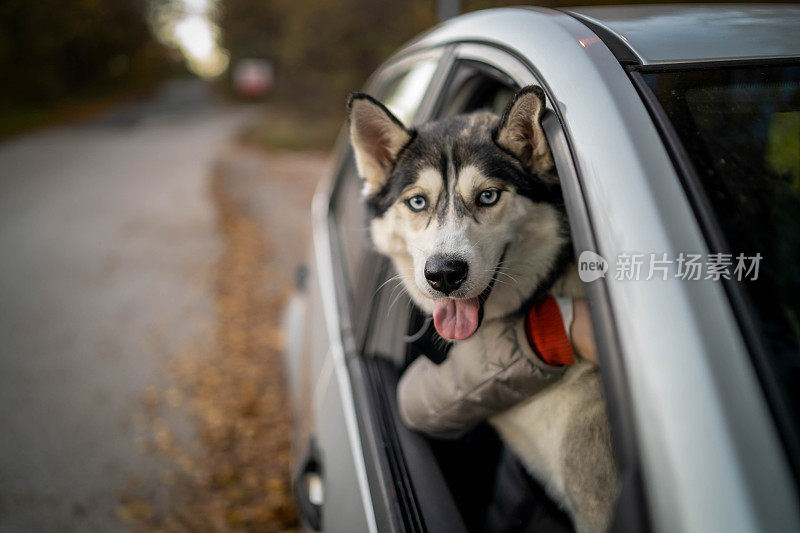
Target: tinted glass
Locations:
point(741, 130)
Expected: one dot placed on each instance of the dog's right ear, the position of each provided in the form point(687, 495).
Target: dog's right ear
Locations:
point(377, 137)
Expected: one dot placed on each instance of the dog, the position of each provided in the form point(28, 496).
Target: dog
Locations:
point(455, 204)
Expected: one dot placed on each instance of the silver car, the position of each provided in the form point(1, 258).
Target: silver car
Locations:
point(676, 135)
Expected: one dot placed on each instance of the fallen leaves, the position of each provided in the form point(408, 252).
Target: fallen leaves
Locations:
point(237, 478)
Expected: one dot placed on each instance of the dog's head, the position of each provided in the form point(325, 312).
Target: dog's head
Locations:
point(468, 208)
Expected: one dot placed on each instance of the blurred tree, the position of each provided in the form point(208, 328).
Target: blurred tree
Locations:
point(50, 50)
point(321, 49)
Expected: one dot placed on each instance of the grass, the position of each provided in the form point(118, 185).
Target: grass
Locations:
point(285, 129)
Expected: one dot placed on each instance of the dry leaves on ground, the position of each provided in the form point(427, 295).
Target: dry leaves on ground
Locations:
point(237, 478)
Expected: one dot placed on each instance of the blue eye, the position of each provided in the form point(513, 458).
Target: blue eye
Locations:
point(417, 203)
point(488, 197)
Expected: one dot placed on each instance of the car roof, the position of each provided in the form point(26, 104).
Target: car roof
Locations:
point(687, 33)
point(644, 35)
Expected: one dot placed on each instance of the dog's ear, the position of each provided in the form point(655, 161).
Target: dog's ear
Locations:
point(520, 132)
point(377, 137)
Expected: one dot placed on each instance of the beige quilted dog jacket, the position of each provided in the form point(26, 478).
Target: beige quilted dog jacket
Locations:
point(486, 374)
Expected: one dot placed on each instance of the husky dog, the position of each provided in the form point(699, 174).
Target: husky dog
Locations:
point(457, 202)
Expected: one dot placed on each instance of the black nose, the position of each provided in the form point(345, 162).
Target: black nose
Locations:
point(444, 274)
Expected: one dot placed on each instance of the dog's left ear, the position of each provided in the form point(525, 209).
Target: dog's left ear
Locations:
point(520, 132)
point(377, 137)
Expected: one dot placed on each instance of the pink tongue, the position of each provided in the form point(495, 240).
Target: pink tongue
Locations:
point(456, 319)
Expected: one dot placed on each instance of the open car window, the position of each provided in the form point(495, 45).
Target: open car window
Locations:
point(474, 85)
point(395, 336)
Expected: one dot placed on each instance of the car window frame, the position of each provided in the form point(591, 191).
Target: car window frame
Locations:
point(631, 513)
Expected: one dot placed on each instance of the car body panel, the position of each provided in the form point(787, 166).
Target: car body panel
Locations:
point(332, 393)
point(347, 496)
point(322, 405)
point(710, 454)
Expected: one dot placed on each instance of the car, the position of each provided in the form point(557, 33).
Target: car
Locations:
point(676, 132)
point(253, 78)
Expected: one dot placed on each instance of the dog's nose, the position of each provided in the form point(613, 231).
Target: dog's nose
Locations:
point(444, 274)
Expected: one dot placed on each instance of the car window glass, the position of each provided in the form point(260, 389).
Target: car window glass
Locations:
point(741, 130)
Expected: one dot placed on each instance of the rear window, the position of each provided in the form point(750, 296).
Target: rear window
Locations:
point(741, 130)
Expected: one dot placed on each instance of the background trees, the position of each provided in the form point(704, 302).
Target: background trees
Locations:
point(51, 50)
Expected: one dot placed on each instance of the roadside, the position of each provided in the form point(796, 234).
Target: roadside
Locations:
point(278, 127)
point(148, 258)
point(21, 120)
point(233, 387)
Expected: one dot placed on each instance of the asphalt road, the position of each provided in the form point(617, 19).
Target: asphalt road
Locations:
point(107, 235)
